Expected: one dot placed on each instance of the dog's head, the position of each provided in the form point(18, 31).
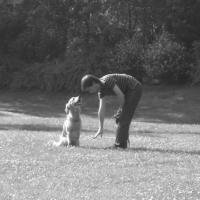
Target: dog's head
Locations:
point(73, 104)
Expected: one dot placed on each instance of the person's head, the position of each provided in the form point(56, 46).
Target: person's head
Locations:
point(90, 83)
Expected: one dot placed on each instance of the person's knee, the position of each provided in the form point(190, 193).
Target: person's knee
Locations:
point(124, 122)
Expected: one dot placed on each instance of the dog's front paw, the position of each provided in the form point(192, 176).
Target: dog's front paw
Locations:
point(57, 144)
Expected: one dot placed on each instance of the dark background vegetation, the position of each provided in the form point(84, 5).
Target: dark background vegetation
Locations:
point(50, 44)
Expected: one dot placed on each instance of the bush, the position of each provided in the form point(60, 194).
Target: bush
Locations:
point(168, 61)
point(35, 48)
point(57, 75)
point(65, 76)
point(52, 76)
point(197, 54)
point(8, 66)
point(128, 57)
point(68, 74)
point(29, 78)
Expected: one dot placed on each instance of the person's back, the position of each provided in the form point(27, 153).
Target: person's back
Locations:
point(125, 82)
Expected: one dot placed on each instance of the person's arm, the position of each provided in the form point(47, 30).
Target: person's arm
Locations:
point(101, 115)
point(119, 94)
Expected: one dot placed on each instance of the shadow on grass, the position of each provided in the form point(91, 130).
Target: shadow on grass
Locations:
point(43, 127)
point(175, 104)
point(147, 133)
point(158, 105)
point(30, 127)
point(33, 103)
point(35, 110)
point(106, 131)
point(172, 105)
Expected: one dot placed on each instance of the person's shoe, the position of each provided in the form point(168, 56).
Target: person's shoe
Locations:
point(118, 145)
point(111, 147)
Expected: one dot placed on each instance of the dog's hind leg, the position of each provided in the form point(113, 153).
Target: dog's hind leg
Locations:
point(57, 144)
point(69, 142)
point(62, 140)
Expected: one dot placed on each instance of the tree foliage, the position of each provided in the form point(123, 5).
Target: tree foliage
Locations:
point(105, 36)
point(197, 54)
point(128, 57)
point(167, 61)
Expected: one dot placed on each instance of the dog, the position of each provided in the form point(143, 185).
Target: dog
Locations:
point(72, 125)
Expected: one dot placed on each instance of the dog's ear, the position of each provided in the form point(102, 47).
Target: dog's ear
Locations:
point(67, 108)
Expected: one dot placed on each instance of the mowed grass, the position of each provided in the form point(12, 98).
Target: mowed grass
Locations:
point(162, 162)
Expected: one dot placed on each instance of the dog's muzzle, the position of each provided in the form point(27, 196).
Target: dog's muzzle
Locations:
point(78, 103)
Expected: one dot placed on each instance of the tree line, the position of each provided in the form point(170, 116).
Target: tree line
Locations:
point(51, 44)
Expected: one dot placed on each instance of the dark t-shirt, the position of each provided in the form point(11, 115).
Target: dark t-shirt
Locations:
point(123, 81)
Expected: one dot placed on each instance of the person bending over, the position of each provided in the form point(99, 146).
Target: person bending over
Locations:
point(128, 91)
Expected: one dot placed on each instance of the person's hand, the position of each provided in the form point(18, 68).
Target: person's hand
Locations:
point(117, 115)
point(99, 132)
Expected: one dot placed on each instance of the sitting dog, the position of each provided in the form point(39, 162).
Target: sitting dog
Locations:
point(72, 125)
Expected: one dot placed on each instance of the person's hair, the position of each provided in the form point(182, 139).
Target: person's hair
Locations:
point(88, 80)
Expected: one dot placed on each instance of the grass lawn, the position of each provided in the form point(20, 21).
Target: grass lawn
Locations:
point(163, 161)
